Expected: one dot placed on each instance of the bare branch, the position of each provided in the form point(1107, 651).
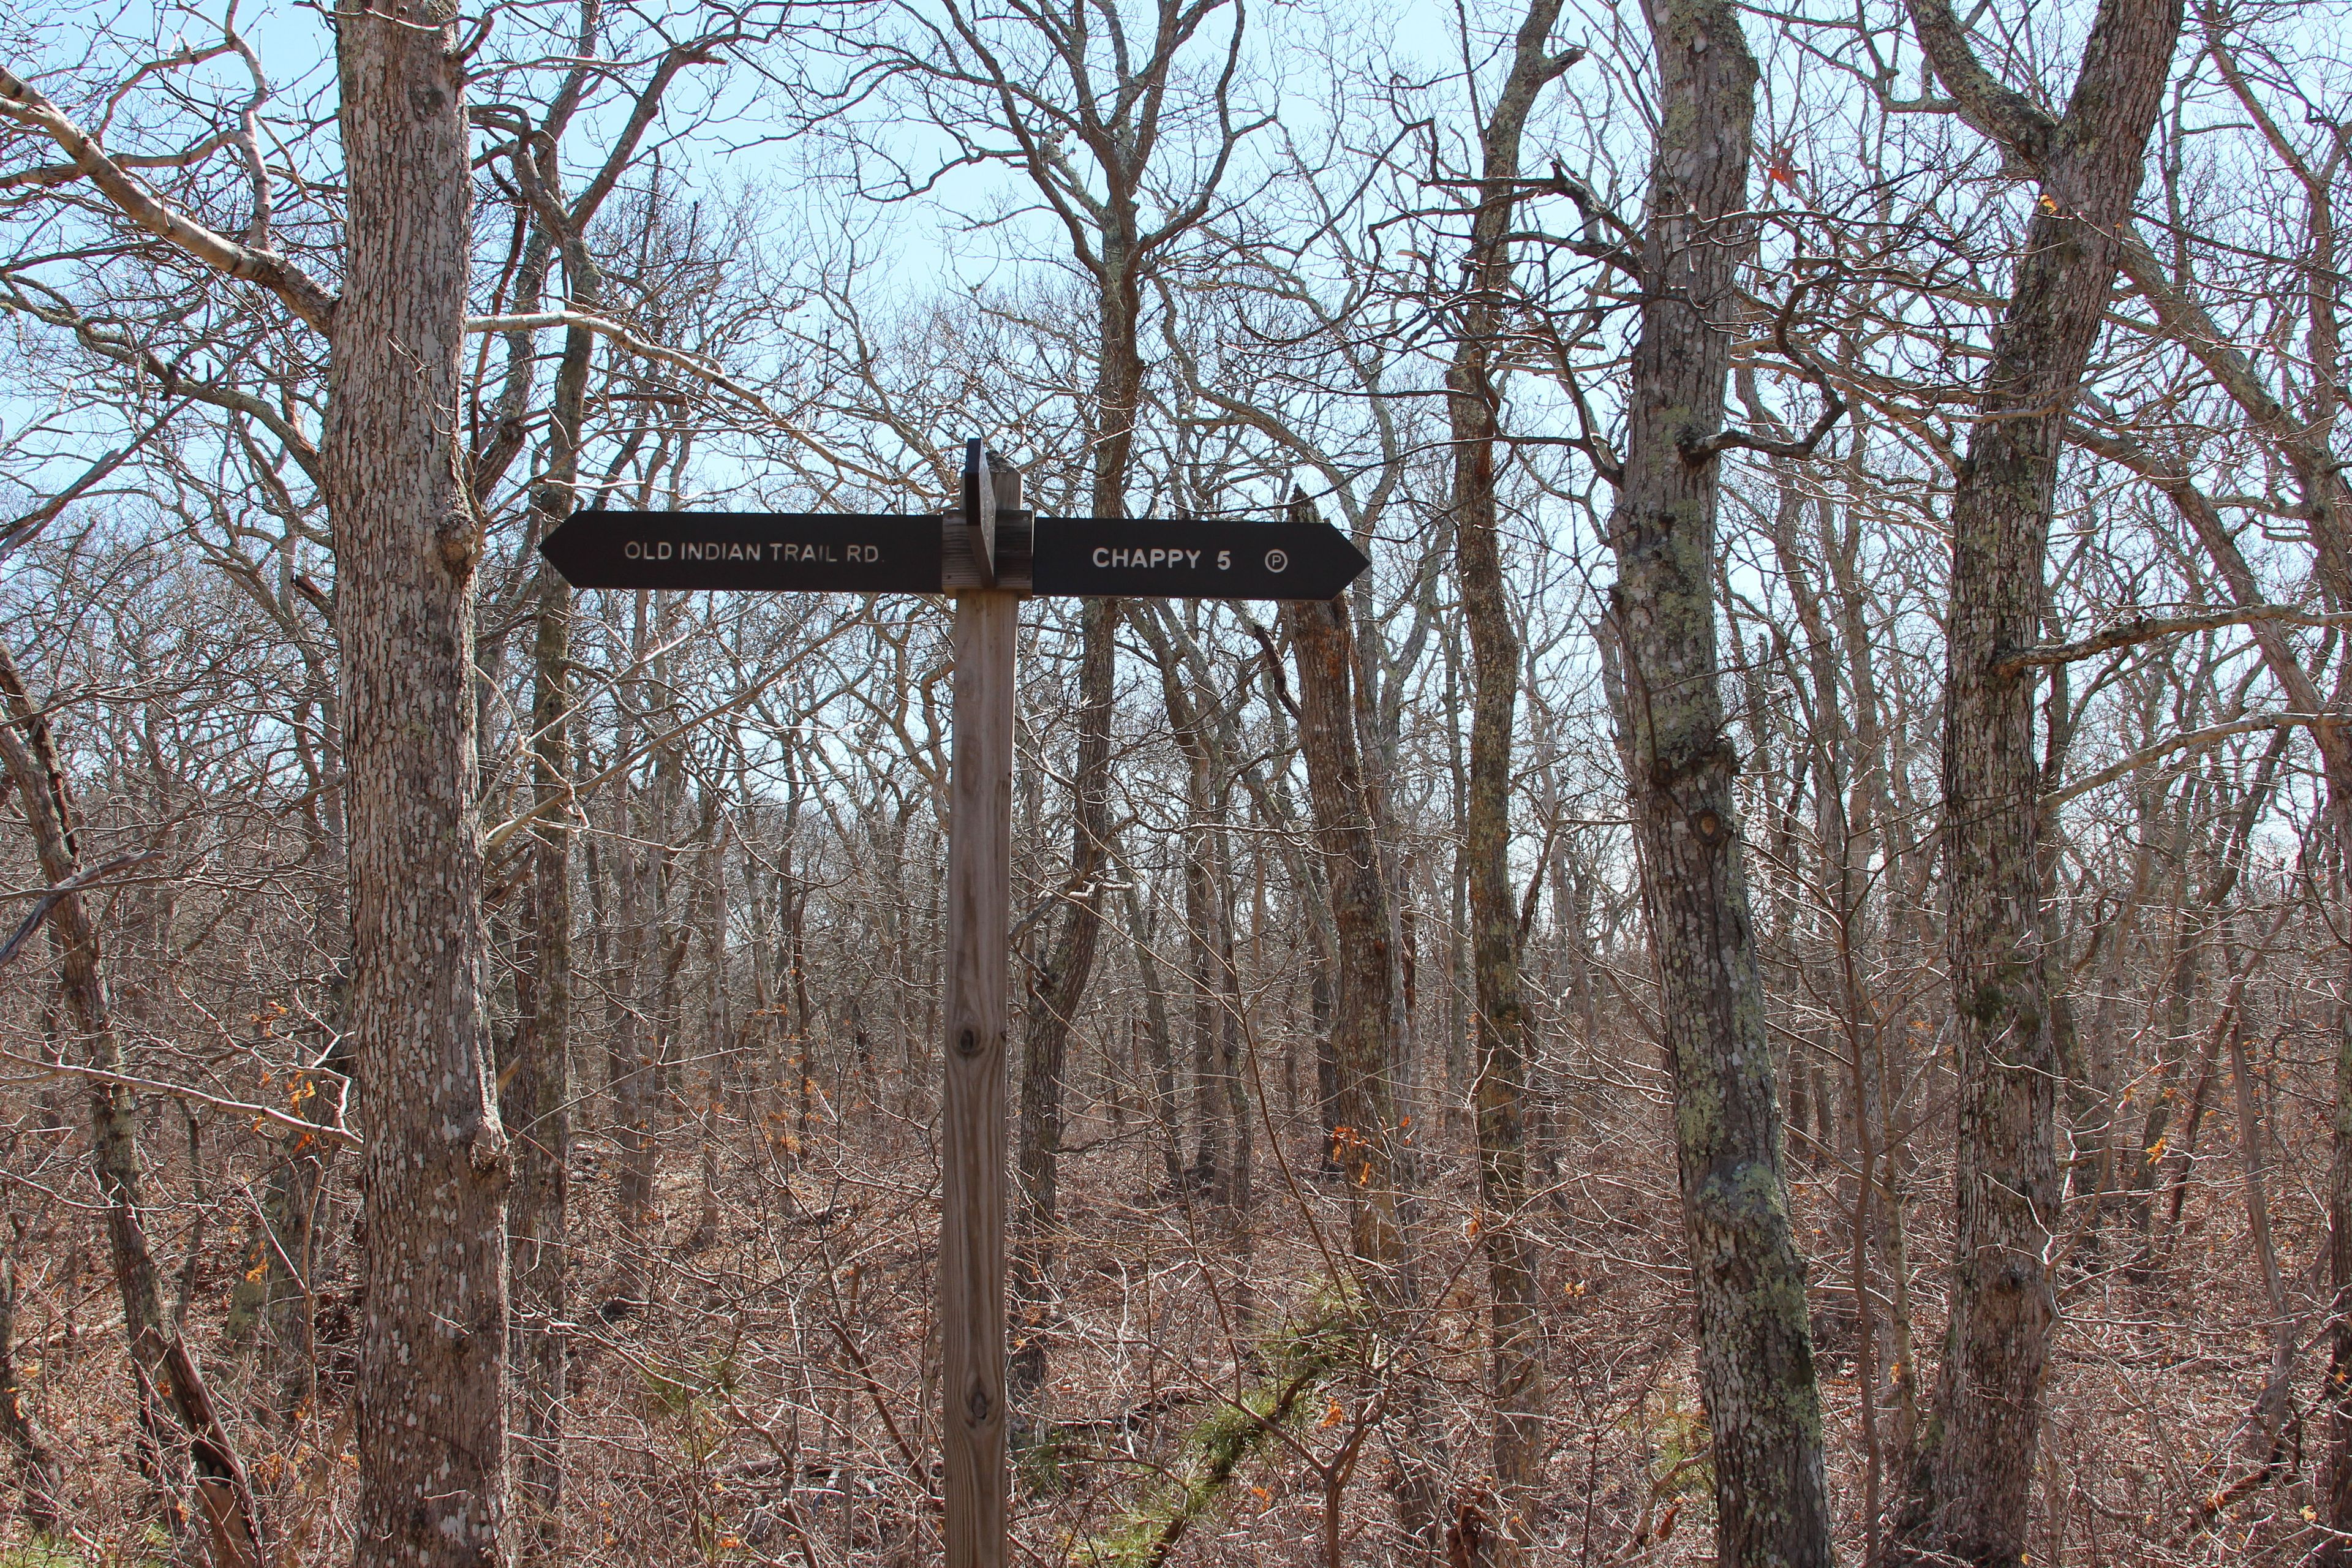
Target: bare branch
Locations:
point(2149, 628)
point(48, 899)
point(269, 1113)
point(677, 359)
point(18, 532)
point(302, 294)
point(2195, 740)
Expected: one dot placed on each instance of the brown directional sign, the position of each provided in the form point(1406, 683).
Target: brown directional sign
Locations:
point(1159, 557)
point(990, 552)
point(787, 551)
point(883, 552)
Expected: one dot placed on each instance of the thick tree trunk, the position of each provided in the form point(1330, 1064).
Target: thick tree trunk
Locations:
point(431, 1394)
point(1365, 1140)
point(1977, 1458)
point(1756, 1359)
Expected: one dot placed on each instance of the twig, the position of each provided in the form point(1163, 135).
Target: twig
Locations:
point(127, 1081)
point(50, 898)
point(2147, 628)
point(2195, 740)
point(24, 103)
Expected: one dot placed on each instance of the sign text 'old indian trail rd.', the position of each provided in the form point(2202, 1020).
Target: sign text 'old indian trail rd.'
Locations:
point(775, 552)
point(868, 553)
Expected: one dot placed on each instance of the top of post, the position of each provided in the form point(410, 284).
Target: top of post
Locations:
point(992, 487)
point(979, 507)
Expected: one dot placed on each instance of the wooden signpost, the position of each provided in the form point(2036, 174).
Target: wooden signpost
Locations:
point(989, 554)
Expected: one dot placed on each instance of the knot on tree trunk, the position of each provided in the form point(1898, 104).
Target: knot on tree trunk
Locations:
point(489, 1152)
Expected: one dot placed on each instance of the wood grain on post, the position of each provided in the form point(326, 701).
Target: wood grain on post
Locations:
point(972, 1118)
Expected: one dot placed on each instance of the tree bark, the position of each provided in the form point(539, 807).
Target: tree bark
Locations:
point(1365, 1140)
point(37, 1475)
point(161, 1366)
point(433, 1350)
point(1500, 1037)
point(536, 1100)
point(1755, 1357)
point(1974, 1479)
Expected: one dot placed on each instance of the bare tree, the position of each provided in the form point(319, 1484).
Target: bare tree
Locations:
point(1473, 400)
point(165, 1370)
point(1975, 1462)
point(1755, 1340)
point(1379, 1205)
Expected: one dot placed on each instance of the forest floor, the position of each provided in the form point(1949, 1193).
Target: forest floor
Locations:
point(766, 1398)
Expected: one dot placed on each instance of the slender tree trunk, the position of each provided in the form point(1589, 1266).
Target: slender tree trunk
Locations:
point(1974, 1482)
point(37, 1475)
point(2337, 1550)
point(1500, 1028)
point(1232, 1072)
point(433, 1487)
point(1057, 988)
point(1218, 1097)
point(1756, 1358)
point(1201, 948)
point(163, 1368)
point(291, 1216)
point(629, 1051)
point(1220, 1087)
point(1460, 1021)
point(2274, 1405)
point(1058, 985)
point(1365, 1140)
point(2334, 738)
point(536, 1099)
point(289, 1225)
point(717, 1037)
point(1157, 1042)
